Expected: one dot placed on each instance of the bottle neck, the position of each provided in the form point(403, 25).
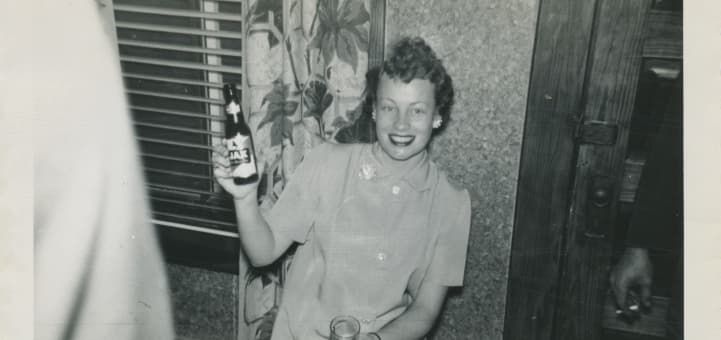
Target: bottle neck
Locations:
point(233, 108)
point(235, 121)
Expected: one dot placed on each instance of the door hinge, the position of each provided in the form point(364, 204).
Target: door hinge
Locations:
point(596, 132)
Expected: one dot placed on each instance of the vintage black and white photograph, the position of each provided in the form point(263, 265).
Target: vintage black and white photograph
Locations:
point(359, 170)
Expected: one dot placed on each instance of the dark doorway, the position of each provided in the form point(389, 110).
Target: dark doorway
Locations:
point(606, 84)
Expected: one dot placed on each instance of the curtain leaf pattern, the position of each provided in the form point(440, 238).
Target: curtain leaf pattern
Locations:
point(306, 64)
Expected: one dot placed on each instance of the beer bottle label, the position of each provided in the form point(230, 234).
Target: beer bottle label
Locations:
point(240, 155)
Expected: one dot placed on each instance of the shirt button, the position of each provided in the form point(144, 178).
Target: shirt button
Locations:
point(381, 256)
point(396, 190)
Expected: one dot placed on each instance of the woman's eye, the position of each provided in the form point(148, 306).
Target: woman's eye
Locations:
point(386, 108)
point(418, 111)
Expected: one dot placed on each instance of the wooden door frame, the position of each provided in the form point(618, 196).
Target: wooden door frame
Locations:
point(575, 78)
point(560, 61)
point(611, 86)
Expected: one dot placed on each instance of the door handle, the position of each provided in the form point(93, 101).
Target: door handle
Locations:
point(598, 206)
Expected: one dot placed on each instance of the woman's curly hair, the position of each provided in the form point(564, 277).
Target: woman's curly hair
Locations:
point(411, 58)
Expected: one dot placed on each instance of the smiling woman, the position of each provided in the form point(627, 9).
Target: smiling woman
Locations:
point(389, 268)
point(405, 115)
point(410, 97)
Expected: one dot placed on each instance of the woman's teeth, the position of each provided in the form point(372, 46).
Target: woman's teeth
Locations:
point(401, 140)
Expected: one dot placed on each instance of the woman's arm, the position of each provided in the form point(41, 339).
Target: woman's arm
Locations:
point(259, 242)
point(420, 316)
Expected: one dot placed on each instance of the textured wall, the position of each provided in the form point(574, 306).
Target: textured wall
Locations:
point(487, 47)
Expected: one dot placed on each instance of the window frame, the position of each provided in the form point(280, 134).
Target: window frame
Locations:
point(193, 244)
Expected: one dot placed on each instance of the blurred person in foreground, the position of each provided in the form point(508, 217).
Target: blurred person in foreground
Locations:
point(99, 273)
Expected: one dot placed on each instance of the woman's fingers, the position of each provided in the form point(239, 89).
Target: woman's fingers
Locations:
point(220, 148)
point(219, 161)
point(221, 171)
point(220, 156)
point(221, 164)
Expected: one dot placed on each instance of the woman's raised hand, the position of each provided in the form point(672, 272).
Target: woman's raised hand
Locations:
point(222, 172)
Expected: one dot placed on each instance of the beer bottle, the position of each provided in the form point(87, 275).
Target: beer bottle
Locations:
point(238, 139)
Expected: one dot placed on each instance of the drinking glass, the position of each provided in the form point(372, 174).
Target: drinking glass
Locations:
point(344, 328)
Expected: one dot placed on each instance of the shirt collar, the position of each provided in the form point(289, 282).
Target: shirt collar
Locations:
point(418, 177)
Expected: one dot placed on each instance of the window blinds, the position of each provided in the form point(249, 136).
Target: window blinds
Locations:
point(175, 56)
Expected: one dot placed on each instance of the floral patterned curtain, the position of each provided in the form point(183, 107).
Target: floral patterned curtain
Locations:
point(306, 65)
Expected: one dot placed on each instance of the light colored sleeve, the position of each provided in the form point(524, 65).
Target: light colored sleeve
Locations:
point(294, 213)
point(99, 272)
point(449, 256)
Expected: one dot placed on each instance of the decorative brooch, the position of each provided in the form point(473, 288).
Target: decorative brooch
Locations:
point(367, 172)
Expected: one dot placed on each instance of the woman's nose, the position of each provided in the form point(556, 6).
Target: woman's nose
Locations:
point(401, 122)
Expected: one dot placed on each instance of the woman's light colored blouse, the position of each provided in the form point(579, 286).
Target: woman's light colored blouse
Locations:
point(369, 239)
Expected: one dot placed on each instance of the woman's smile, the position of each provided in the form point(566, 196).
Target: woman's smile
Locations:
point(401, 140)
point(404, 115)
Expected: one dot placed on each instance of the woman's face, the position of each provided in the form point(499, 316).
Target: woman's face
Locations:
point(404, 116)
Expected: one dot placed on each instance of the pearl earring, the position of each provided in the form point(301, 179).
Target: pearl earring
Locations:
point(437, 123)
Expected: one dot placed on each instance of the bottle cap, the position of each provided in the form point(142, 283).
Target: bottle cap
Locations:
point(230, 92)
